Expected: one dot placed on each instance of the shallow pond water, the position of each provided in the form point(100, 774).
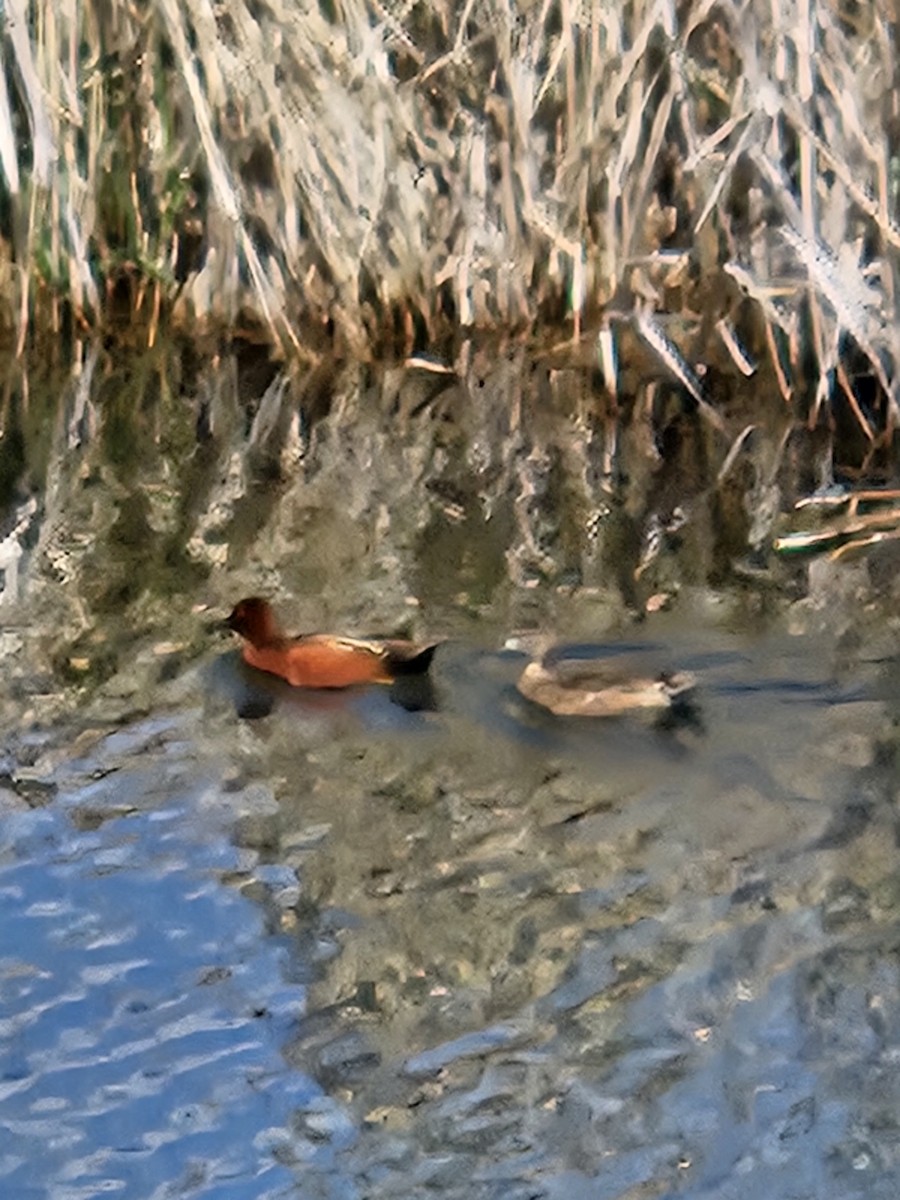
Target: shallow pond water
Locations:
point(259, 942)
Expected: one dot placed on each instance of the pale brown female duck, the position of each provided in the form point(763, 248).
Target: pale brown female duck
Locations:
point(576, 687)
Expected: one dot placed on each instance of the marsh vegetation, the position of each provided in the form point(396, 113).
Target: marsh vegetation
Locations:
point(711, 188)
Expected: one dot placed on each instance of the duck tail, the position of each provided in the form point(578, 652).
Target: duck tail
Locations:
point(409, 660)
point(678, 684)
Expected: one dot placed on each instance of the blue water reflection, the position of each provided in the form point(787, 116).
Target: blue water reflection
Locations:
point(142, 1014)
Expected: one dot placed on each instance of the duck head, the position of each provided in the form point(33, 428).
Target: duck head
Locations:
point(254, 620)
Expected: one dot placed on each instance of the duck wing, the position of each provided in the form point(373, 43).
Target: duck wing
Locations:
point(398, 655)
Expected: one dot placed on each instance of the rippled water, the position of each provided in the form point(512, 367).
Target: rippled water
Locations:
point(142, 1008)
point(258, 942)
point(362, 951)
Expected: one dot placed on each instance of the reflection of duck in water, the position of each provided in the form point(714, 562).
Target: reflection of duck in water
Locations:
point(322, 660)
point(581, 687)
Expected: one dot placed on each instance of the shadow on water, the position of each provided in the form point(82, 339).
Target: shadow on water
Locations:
point(430, 939)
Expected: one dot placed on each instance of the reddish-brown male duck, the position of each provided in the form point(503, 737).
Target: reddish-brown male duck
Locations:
point(322, 660)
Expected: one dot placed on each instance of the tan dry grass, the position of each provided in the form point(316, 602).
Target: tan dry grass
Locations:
point(402, 169)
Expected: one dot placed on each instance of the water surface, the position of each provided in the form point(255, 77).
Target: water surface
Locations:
point(259, 942)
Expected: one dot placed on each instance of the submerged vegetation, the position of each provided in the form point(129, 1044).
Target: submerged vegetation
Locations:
point(385, 499)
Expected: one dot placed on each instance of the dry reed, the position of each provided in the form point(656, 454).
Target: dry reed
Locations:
point(722, 176)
